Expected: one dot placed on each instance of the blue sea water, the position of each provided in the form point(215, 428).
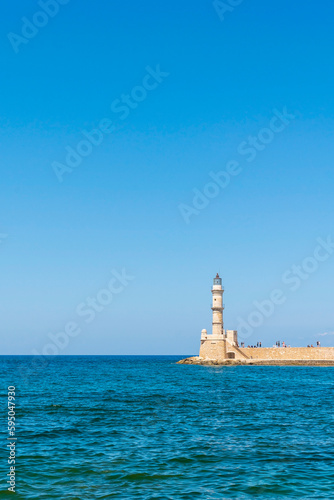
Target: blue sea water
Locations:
point(128, 427)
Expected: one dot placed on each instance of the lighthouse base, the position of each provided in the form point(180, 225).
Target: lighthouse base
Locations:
point(220, 349)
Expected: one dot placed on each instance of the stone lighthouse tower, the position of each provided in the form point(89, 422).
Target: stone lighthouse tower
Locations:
point(217, 307)
point(221, 344)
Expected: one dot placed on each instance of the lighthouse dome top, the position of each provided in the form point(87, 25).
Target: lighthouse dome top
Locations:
point(217, 280)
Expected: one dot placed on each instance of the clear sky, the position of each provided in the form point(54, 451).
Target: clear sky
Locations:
point(184, 93)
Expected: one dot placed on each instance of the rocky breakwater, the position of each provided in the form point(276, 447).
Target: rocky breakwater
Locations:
point(196, 360)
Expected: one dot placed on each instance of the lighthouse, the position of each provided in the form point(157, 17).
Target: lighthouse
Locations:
point(217, 307)
point(221, 344)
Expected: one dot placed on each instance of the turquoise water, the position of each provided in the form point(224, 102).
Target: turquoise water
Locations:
point(147, 428)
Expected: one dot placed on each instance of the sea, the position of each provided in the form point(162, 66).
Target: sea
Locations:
point(145, 427)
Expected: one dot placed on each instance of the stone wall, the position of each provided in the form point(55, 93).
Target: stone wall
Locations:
point(213, 349)
point(220, 349)
point(293, 353)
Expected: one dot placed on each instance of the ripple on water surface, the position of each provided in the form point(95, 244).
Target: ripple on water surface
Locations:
point(146, 428)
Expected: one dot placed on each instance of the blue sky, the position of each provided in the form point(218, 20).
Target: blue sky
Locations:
point(119, 208)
